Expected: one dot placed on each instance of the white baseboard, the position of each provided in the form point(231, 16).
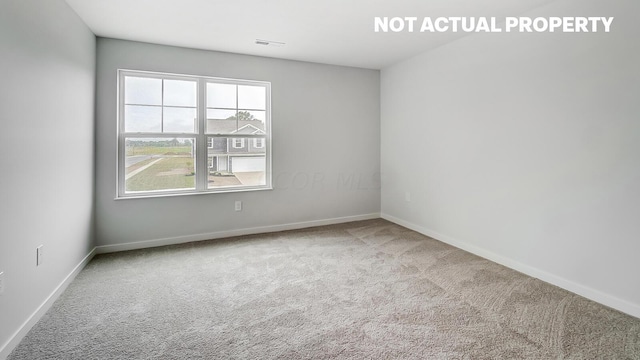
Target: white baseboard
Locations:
point(230, 233)
point(15, 339)
point(587, 292)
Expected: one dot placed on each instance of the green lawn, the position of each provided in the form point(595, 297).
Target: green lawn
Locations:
point(158, 150)
point(168, 173)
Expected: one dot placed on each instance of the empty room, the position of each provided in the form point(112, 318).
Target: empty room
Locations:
point(412, 179)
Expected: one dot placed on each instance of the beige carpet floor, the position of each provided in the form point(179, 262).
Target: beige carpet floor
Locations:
point(363, 290)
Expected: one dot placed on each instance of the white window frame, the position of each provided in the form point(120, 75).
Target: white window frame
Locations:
point(235, 140)
point(201, 160)
point(255, 143)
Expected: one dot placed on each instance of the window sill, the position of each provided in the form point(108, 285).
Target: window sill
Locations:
point(190, 193)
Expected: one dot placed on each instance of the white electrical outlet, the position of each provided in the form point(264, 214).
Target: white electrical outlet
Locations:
point(1, 283)
point(39, 255)
point(238, 205)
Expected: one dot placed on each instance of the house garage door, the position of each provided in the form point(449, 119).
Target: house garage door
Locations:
point(248, 164)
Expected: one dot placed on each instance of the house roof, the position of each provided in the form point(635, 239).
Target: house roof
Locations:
point(231, 126)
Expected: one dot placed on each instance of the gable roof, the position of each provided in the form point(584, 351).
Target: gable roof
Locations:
point(249, 129)
point(227, 126)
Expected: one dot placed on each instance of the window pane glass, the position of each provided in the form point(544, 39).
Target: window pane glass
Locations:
point(252, 97)
point(251, 126)
point(142, 118)
point(180, 93)
point(221, 96)
point(228, 122)
point(221, 121)
point(235, 162)
point(142, 91)
point(179, 119)
point(257, 115)
point(159, 164)
point(221, 114)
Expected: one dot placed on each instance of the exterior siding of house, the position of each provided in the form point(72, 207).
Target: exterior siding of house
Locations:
point(222, 149)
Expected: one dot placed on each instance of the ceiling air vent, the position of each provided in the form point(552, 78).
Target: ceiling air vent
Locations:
point(269, 42)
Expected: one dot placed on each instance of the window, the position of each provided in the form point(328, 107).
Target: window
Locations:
point(238, 143)
point(174, 133)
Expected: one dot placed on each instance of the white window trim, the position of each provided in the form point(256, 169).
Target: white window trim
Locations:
point(255, 143)
point(201, 156)
point(241, 143)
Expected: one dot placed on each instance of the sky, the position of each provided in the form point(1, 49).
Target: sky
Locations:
point(144, 98)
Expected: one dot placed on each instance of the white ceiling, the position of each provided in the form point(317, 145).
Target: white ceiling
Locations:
point(326, 31)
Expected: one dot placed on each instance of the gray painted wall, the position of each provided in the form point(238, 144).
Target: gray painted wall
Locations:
point(526, 146)
point(326, 130)
point(47, 151)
